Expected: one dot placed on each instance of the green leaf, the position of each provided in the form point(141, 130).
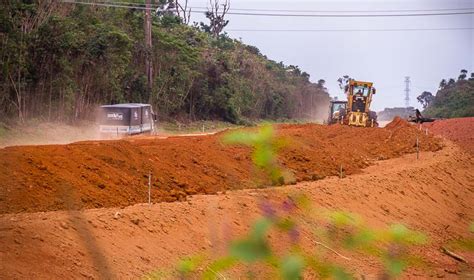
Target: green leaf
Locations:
point(401, 234)
point(255, 247)
point(339, 273)
point(361, 239)
point(395, 267)
point(214, 269)
point(292, 267)
point(250, 250)
point(188, 265)
point(260, 228)
point(341, 218)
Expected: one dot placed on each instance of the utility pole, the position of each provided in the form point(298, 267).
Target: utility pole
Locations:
point(148, 47)
point(407, 91)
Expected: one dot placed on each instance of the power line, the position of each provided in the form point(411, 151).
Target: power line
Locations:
point(283, 15)
point(351, 16)
point(350, 30)
point(349, 11)
point(302, 11)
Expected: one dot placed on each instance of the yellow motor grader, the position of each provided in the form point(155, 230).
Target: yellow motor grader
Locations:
point(356, 110)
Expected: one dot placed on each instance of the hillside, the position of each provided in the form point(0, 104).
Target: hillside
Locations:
point(389, 114)
point(59, 61)
point(455, 100)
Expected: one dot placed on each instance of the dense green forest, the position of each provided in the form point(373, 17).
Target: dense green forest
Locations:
point(454, 99)
point(60, 60)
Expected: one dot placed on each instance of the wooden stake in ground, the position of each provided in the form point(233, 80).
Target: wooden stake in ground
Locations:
point(340, 172)
point(417, 148)
point(149, 188)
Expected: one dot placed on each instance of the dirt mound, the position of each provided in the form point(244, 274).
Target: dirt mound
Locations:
point(433, 195)
point(460, 131)
point(397, 123)
point(115, 173)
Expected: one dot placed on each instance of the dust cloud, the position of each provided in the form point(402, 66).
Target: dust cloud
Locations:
point(45, 133)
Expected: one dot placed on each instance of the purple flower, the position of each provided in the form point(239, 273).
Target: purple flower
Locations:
point(267, 209)
point(289, 205)
point(294, 234)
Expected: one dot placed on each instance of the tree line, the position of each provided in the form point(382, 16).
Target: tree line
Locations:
point(454, 98)
point(59, 61)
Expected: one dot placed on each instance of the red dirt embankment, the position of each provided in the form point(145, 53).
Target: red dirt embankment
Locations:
point(433, 194)
point(115, 173)
point(460, 131)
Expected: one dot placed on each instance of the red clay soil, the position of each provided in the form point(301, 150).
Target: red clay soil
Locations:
point(115, 173)
point(433, 194)
point(460, 131)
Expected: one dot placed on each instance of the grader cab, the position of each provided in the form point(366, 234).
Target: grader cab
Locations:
point(356, 110)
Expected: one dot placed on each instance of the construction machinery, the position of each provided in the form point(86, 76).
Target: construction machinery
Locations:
point(356, 110)
point(418, 118)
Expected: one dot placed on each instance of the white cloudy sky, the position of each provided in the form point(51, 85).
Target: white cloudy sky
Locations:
point(382, 57)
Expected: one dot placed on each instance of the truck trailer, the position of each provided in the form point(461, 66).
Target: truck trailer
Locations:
point(128, 119)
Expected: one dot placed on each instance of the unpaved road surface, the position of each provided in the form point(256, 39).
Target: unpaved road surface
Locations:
point(433, 194)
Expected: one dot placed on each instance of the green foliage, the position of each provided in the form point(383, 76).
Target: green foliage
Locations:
point(188, 265)
point(454, 99)
point(255, 246)
point(218, 265)
point(292, 267)
point(265, 145)
point(338, 229)
point(77, 57)
point(3, 130)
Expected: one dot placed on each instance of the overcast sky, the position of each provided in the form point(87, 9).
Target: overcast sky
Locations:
point(382, 57)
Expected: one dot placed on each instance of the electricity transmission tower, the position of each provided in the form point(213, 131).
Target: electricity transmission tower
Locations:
point(407, 91)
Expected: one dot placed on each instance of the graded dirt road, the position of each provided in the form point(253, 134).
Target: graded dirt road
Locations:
point(433, 194)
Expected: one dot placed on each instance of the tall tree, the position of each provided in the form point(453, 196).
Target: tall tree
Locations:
point(344, 82)
point(216, 15)
point(425, 98)
point(463, 75)
point(442, 84)
point(183, 11)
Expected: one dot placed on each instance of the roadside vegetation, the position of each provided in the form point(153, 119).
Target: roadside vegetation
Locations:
point(60, 60)
point(454, 98)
